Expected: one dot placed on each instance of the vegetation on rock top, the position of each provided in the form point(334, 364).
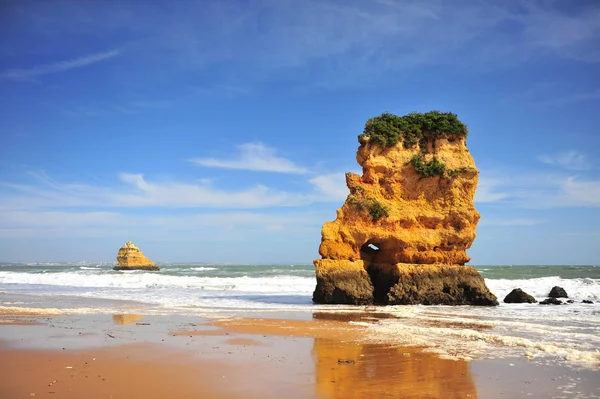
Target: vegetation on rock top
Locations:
point(388, 129)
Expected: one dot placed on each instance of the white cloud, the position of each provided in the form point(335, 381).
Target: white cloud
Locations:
point(536, 190)
point(136, 190)
point(177, 194)
point(253, 156)
point(487, 190)
point(332, 186)
point(82, 223)
point(571, 160)
point(584, 193)
point(26, 73)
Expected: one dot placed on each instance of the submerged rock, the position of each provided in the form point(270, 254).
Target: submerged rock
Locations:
point(402, 234)
point(557, 292)
point(586, 301)
point(519, 296)
point(551, 301)
point(131, 258)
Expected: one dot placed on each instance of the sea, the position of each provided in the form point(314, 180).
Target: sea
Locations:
point(569, 333)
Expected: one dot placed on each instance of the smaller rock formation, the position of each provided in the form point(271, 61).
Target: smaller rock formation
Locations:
point(551, 301)
point(558, 292)
point(131, 258)
point(587, 301)
point(519, 296)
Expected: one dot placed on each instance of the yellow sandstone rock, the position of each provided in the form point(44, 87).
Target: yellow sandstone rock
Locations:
point(401, 236)
point(131, 258)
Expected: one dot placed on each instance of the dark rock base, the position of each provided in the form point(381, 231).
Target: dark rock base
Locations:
point(440, 285)
point(346, 282)
point(344, 288)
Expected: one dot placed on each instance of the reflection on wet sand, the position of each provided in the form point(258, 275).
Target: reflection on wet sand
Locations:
point(353, 370)
point(364, 316)
point(127, 318)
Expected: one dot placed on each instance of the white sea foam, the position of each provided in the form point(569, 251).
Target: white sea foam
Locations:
point(464, 336)
point(577, 288)
point(138, 279)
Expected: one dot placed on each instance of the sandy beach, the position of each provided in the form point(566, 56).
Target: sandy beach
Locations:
point(137, 356)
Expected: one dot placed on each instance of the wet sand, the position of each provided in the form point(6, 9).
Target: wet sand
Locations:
point(137, 356)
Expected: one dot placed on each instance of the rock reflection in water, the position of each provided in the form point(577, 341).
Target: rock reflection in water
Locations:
point(127, 318)
point(353, 370)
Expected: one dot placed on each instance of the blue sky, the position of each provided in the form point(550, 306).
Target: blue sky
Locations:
point(220, 131)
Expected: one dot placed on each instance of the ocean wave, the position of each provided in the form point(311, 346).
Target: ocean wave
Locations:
point(139, 279)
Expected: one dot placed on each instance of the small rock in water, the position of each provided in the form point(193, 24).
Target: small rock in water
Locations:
point(570, 301)
point(519, 296)
point(586, 301)
point(551, 301)
point(558, 292)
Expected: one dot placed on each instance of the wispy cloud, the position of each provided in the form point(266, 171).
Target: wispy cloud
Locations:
point(127, 107)
point(255, 157)
point(585, 192)
point(489, 190)
point(83, 223)
point(571, 160)
point(134, 190)
point(137, 191)
point(62, 66)
point(269, 37)
point(332, 186)
point(553, 94)
point(538, 190)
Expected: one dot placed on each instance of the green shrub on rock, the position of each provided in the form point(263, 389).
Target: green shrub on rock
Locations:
point(428, 169)
point(370, 205)
point(388, 129)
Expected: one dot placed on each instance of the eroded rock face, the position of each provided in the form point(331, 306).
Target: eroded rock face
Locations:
point(400, 237)
point(131, 258)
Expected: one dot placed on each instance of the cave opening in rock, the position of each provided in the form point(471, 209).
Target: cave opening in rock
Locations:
point(369, 252)
point(380, 270)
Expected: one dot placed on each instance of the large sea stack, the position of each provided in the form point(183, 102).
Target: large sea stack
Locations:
point(131, 258)
point(402, 234)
